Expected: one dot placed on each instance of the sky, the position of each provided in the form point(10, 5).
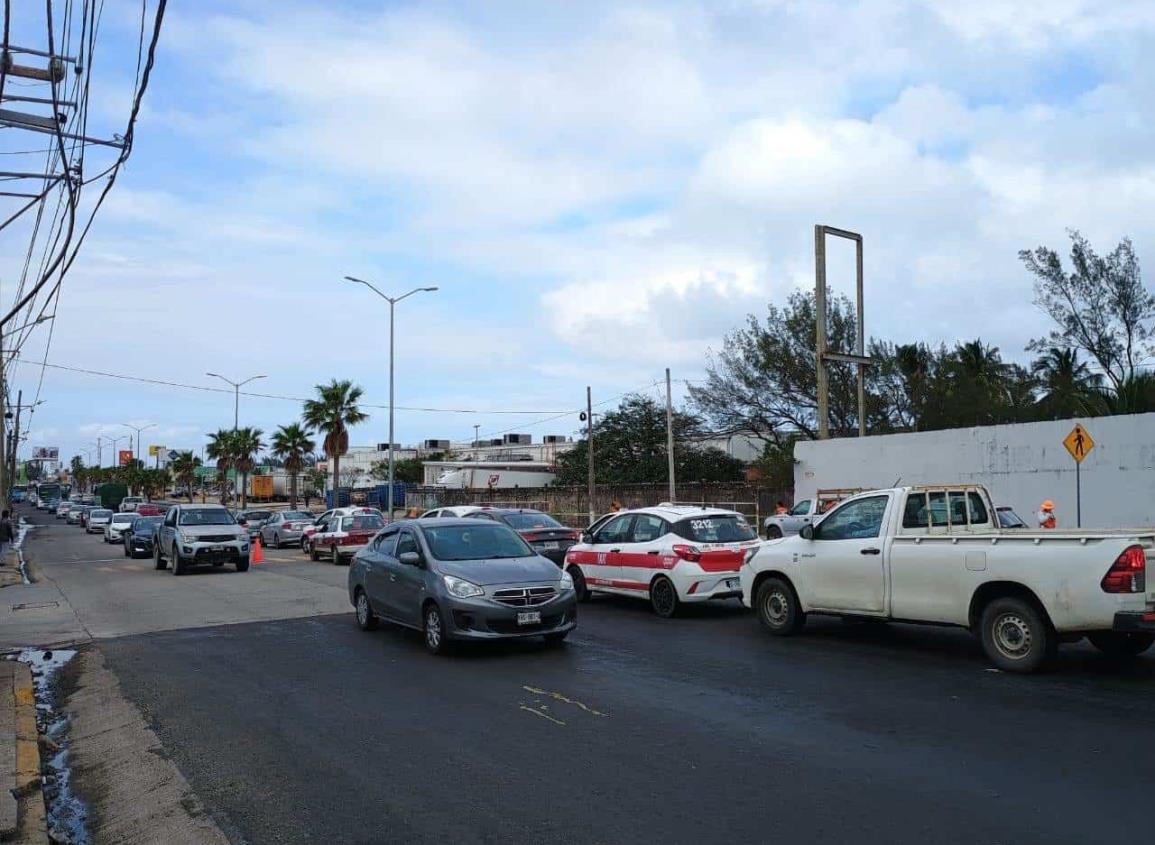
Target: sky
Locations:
point(599, 191)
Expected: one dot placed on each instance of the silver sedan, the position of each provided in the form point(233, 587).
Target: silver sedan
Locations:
point(285, 528)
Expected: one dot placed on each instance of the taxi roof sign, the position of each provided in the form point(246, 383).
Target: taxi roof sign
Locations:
point(1079, 443)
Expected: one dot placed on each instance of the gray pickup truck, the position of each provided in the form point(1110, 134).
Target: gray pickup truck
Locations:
point(194, 535)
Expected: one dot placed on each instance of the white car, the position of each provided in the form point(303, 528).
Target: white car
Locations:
point(343, 535)
point(451, 511)
point(309, 530)
point(97, 519)
point(669, 554)
point(115, 527)
point(129, 503)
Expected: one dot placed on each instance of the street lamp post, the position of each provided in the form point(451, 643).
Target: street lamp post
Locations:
point(112, 441)
point(392, 300)
point(237, 385)
point(138, 430)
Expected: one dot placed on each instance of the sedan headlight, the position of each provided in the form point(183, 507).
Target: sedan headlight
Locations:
point(461, 589)
point(566, 581)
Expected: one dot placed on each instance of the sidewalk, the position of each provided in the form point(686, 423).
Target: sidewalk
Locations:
point(22, 814)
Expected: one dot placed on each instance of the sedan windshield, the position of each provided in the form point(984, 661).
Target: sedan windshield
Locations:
point(475, 542)
point(530, 521)
point(297, 516)
point(100, 514)
point(206, 517)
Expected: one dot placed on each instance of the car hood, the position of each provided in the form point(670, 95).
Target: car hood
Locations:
point(487, 573)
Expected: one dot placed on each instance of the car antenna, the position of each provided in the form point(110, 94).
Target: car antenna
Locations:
point(896, 481)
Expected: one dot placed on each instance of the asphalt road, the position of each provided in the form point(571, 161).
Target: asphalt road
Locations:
point(697, 729)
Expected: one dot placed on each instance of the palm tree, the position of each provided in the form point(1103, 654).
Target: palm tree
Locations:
point(333, 412)
point(184, 468)
point(1067, 382)
point(220, 449)
point(1135, 395)
point(292, 443)
point(246, 444)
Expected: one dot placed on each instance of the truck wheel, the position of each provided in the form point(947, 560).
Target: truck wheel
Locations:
point(1015, 635)
point(243, 564)
point(773, 532)
point(778, 608)
point(160, 564)
point(663, 597)
point(1120, 644)
point(178, 566)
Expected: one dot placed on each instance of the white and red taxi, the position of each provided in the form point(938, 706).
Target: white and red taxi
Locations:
point(668, 554)
point(309, 530)
point(343, 535)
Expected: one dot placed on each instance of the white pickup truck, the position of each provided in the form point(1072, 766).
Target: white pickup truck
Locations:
point(935, 555)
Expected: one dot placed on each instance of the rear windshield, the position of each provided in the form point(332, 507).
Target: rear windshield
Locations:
point(258, 514)
point(530, 521)
point(362, 522)
point(483, 541)
point(719, 528)
point(289, 516)
point(123, 517)
point(214, 516)
point(100, 514)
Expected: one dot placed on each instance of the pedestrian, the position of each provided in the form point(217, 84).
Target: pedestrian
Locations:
point(1047, 515)
point(7, 535)
point(780, 508)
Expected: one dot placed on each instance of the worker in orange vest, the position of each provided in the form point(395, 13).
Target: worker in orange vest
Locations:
point(780, 509)
point(1047, 515)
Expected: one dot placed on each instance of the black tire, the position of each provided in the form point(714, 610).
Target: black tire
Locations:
point(1016, 636)
point(773, 532)
point(276, 541)
point(158, 559)
point(580, 588)
point(127, 553)
point(178, 565)
point(433, 629)
point(337, 558)
point(243, 564)
point(363, 610)
point(663, 597)
point(555, 639)
point(1121, 644)
point(313, 556)
point(778, 608)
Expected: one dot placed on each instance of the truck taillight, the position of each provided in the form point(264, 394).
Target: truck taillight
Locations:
point(690, 553)
point(1128, 574)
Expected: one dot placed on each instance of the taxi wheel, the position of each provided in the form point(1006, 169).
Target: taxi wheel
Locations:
point(313, 556)
point(663, 597)
point(580, 588)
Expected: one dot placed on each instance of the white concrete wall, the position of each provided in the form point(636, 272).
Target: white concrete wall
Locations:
point(1021, 465)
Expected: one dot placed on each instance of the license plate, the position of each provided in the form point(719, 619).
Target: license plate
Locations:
point(550, 546)
point(216, 548)
point(529, 617)
point(733, 584)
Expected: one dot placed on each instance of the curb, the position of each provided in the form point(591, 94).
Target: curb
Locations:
point(31, 821)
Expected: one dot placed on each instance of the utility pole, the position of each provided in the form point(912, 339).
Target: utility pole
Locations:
point(590, 449)
point(4, 425)
point(476, 436)
point(670, 435)
point(15, 437)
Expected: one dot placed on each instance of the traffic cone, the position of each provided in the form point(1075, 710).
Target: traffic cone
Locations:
point(258, 555)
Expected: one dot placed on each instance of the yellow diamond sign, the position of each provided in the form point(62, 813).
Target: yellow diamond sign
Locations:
point(1079, 443)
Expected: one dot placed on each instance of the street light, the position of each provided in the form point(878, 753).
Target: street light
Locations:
point(112, 441)
point(237, 385)
point(392, 300)
point(29, 325)
point(138, 430)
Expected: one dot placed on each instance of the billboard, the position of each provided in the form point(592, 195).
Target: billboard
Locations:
point(153, 451)
point(46, 453)
point(125, 457)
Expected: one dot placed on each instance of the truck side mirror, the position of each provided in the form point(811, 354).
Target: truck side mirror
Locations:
point(807, 532)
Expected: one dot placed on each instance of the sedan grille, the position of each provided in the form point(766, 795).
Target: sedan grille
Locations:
point(525, 596)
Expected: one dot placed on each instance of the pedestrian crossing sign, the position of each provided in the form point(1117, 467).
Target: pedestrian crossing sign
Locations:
point(1079, 443)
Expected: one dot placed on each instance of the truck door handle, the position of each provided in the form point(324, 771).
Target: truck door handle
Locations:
point(871, 552)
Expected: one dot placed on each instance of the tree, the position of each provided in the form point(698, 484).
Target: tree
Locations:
point(184, 469)
point(314, 484)
point(334, 412)
point(1101, 307)
point(1136, 395)
point(292, 443)
point(407, 471)
point(1067, 384)
point(220, 449)
point(630, 447)
point(246, 444)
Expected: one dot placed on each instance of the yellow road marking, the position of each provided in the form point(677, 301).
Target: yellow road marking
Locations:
point(557, 696)
point(543, 715)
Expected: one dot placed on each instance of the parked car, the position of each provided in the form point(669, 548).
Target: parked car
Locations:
point(191, 535)
point(62, 509)
point(669, 554)
point(450, 512)
point(96, 519)
point(129, 503)
point(309, 530)
point(148, 509)
point(87, 499)
point(936, 555)
point(138, 537)
point(253, 520)
point(74, 515)
point(284, 527)
point(116, 526)
point(460, 580)
point(343, 535)
point(545, 535)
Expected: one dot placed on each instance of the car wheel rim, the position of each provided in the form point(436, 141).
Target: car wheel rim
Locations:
point(663, 597)
point(1012, 636)
point(362, 608)
point(776, 608)
point(433, 629)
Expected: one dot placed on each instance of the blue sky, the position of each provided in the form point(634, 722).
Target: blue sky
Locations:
point(600, 190)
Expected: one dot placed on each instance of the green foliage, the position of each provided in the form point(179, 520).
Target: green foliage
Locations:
point(293, 444)
point(630, 447)
point(333, 413)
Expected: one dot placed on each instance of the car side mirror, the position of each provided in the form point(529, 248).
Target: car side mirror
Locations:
point(410, 558)
point(807, 532)
point(587, 537)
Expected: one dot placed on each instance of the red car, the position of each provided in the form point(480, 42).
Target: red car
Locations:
point(145, 509)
